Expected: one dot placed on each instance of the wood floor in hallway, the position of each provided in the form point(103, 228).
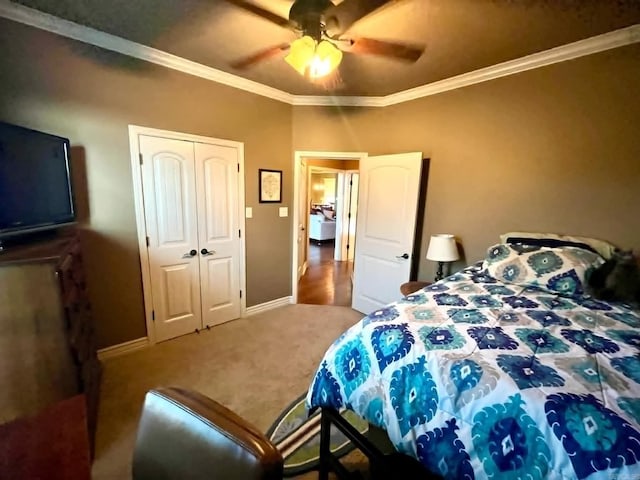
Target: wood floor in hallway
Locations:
point(326, 282)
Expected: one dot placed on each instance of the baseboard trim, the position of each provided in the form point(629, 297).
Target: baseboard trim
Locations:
point(263, 307)
point(123, 348)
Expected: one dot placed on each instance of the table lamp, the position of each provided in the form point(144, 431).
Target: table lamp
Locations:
point(442, 248)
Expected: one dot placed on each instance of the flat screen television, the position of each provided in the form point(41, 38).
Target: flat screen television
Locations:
point(35, 181)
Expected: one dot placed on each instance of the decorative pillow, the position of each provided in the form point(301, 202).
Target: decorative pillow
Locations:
point(605, 249)
point(549, 242)
point(562, 270)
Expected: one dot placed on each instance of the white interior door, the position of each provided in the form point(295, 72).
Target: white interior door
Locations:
point(168, 179)
point(353, 212)
point(303, 218)
point(218, 232)
point(387, 205)
point(339, 250)
point(346, 239)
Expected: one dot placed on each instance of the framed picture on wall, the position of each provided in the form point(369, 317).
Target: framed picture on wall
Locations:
point(270, 185)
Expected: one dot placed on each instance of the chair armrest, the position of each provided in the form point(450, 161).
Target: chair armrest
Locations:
point(184, 434)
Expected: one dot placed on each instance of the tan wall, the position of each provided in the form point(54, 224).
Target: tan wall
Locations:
point(90, 96)
point(552, 149)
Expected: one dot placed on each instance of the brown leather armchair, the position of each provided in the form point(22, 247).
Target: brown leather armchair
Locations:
point(185, 435)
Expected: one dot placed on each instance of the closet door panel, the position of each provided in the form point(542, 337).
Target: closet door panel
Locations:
point(169, 185)
point(218, 231)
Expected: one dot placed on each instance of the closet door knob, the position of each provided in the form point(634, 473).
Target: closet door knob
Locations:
point(204, 251)
point(192, 253)
point(404, 255)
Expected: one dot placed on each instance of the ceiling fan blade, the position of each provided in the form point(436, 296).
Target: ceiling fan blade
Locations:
point(350, 11)
point(259, 56)
point(400, 51)
point(261, 12)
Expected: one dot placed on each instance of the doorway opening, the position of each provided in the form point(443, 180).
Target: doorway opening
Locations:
point(324, 225)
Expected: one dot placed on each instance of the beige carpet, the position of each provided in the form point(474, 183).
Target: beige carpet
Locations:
point(256, 366)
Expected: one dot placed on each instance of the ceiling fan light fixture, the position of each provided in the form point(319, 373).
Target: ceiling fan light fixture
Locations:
point(300, 54)
point(307, 57)
point(325, 60)
point(322, 23)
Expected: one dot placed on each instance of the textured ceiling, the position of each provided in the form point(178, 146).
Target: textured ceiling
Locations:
point(459, 35)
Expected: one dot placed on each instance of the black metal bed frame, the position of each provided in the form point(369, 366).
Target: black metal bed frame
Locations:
point(381, 465)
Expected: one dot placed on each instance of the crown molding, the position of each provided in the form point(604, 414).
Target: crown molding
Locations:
point(66, 28)
point(75, 31)
point(570, 51)
point(337, 101)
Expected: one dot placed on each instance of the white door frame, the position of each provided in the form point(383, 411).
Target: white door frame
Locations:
point(298, 155)
point(134, 132)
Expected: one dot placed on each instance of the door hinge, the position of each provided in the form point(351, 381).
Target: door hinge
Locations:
point(238, 168)
point(153, 315)
point(349, 216)
point(148, 241)
point(140, 157)
point(240, 293)
point(351, 183)
point(239, 233)
point(347, 246)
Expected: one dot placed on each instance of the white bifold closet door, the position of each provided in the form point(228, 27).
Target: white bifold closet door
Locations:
point(190, 194)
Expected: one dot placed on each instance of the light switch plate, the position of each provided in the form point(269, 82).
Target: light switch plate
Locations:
point(283, 211)
point(248, 212)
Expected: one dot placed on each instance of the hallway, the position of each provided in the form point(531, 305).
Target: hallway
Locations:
point(326, 281)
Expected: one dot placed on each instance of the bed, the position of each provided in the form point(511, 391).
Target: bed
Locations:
point(507, 369)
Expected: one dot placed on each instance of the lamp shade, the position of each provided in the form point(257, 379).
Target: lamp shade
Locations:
point(442, 248)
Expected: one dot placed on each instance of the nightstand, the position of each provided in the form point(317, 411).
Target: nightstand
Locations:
point(410, 287)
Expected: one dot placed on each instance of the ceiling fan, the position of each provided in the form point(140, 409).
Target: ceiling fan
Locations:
point(321, 24)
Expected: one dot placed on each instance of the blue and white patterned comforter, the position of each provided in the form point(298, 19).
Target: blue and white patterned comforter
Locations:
point(481, 379)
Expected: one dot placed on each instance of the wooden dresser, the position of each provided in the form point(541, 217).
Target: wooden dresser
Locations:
point(47, 338)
